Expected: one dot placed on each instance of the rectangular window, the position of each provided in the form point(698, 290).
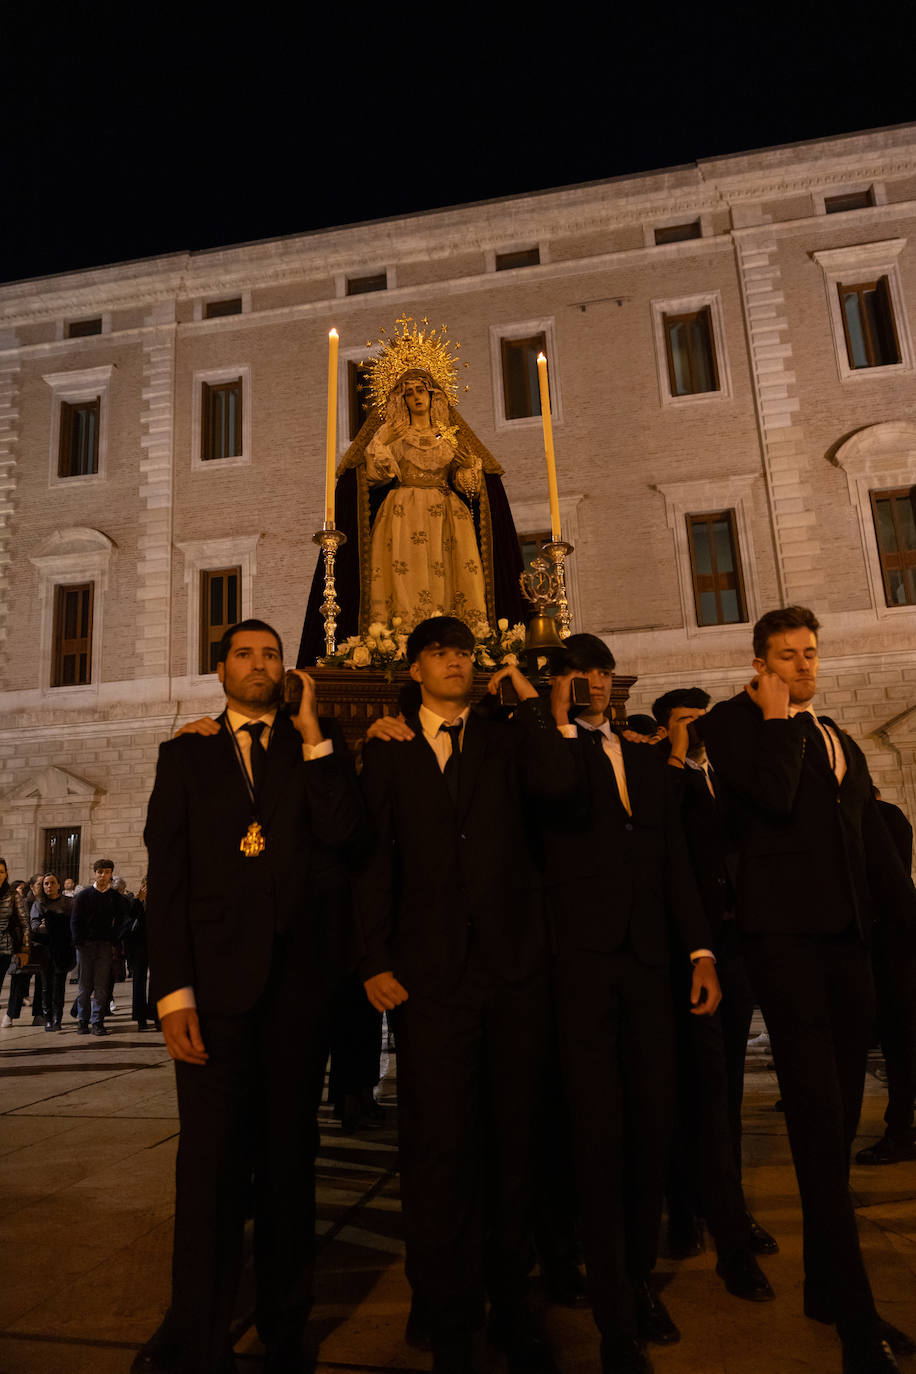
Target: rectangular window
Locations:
point(852, 200)
point(82, 329)
point(62, 852)
point(359, 286)
point(215, 310)
point(895, 530)
point(522, 257)
point(221, 420)
point(219, 608)
point(358, 400)
point(675, 233)
point(690, 352)
point(78, 453)
point(521, 393)
point(868, 323)
point(72, 648)
point(718, 586)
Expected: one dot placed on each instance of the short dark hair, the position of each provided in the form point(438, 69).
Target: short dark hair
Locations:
point(584, 652)
point(225, 643)
point(678, 696)
point(52, 875)
point(103, 863)
point(35, 877)
point(642, 725)
point(778, 621)
point(439, 632)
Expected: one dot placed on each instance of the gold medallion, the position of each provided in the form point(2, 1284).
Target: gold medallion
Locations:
point(253, 842)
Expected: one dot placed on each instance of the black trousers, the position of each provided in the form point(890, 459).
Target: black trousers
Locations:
point(356, 1041)
point(616, 1037)
point(141, 1007)
point(705, 1172)
point(894, 968)
point(817, 998)
point(53, 983)
point(249, 1115)
point(470, 1062)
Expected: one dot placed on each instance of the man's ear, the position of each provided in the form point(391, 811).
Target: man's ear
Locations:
point(661, 731)
point(759, 665)
point(414, 670)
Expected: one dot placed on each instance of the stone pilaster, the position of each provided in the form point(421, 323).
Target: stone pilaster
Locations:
point(786, 460)
point(154, 543)
point(9, 439)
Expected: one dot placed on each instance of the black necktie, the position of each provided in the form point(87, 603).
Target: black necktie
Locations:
point(258, 757)
point(815, 738)
point(450, 771)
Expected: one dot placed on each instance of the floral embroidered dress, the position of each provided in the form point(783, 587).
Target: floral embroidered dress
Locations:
point(425, 560)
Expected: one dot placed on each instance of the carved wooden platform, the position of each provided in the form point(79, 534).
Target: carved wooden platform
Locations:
point(356, 696)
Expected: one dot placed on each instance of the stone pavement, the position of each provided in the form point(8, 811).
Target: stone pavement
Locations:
point(88, 1133)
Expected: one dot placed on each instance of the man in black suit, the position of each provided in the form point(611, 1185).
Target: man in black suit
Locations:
point(449, 911)
point(617, 874)
point(245, 829)
point(705, 1175)
point(810, 844)
point(894, 969)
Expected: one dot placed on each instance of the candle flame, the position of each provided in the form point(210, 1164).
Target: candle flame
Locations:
point(542, 358)
point(333, 334)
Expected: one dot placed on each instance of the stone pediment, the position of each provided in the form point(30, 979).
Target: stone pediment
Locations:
point(53, 784)
point(900, 730)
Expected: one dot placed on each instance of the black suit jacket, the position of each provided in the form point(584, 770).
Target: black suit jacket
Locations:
point(813, 853)
point(212, 913)
point(442, 876)
point(711, 847)
point(614, 880)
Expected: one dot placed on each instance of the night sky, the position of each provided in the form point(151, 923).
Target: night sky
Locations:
point(136, 131)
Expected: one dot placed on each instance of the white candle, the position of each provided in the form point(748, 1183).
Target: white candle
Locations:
point(333, 339)
point(553, 493)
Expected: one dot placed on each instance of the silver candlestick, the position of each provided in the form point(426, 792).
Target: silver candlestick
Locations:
point(330, 538)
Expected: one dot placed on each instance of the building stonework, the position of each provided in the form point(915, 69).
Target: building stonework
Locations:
point(792, 440)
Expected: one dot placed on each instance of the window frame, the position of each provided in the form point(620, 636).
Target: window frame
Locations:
point(205, 555)
point(70, 556)
point(87, 384)
point(895, 494)
point(207, 638)
point(714, 494)
point(694, 519)
point(517, 330)
point(881, 287)
point(214, 378)
point(690, 316)
point(863, 262)
point(58, 650)
point(65, 436)
point(680, 306)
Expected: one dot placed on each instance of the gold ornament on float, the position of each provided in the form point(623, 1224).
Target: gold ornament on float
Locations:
point(412, 348)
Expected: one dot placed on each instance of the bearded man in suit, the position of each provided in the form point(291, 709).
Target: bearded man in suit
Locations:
point(246, 826)
point(450, 916)
point(815, 865)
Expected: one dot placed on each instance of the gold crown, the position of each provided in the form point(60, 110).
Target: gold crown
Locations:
point(412, 348)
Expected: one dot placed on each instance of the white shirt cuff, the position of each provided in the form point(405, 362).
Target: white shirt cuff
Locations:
point(568, 731)
point(696, 954)
point(182, 999)
point(317, 751)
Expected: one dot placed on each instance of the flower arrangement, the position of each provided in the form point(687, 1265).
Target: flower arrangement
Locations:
point(385, 647)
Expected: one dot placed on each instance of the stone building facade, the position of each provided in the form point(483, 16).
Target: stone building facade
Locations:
point(729, 340)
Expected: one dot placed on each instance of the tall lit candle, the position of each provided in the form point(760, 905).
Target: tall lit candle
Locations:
point(333, 339)
point(548, 448)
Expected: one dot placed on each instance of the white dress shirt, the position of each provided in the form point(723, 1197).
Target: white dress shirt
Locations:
point(183, 998)
point(439, 742)
point(831, 741)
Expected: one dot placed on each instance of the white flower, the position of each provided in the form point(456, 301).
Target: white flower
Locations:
point(376, 628)
point(485, 660)
point(370, 643)
point(510, 658)
point(396, 620)
point(361, 657)
point(502, 623)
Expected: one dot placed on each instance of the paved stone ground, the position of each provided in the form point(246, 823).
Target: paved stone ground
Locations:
point(88, 1132)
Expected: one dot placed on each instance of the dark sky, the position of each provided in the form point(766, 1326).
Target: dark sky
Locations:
point(140, 130)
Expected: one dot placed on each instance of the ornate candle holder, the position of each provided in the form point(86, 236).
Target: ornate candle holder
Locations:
point(330, 538)
point(558, 551)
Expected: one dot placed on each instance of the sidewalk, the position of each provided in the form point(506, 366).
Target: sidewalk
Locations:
point(88, 1133)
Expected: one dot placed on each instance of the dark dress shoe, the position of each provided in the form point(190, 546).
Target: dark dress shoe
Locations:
point(653, 1320)
point(900, 1343)
point(83, 1028)
point(743, 1277)
point(871, 1356)
point(684, 1237)
point(762, 1243)
point(514, 1332)
point(459, 1354)
point(417, 1332)
point(564, 1286)
point(288, 1357)
point(888, 1150)
point(158, 1356)
point(624, 1355)
point(98, 1030)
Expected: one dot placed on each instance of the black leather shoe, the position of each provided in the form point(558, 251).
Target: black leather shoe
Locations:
point(762, 1243)
point(288, 1357)
point(872, 1356)
point(653, 1320)
point(624, 1355)
point(684, 1237)
point(888, 1150)
point(564, 1286)
point(514, 1332)
point(417, 1332)
point(459, 1355)
point(82, 1028)
point(743, 1277)
point(900, 1343)
point(158, 1356)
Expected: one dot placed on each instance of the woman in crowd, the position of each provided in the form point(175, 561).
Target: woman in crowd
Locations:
point(14, 927)
point(50, 924)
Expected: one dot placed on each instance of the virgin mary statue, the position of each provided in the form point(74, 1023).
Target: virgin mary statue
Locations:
point(428, 525)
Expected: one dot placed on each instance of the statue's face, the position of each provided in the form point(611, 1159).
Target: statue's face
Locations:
point(416, 398)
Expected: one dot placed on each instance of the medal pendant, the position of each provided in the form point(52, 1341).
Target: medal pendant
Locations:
point(253, 842)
